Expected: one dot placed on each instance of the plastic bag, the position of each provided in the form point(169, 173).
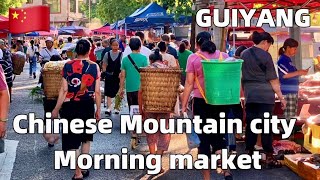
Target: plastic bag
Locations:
point(192, 139)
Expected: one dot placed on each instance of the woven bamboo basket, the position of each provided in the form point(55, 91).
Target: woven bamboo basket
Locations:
point(18, 62)
point(52, 83)
point(159, 89)
point(52, 78)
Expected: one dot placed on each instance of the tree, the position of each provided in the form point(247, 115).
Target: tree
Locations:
point(6, 4)
point(113, 10)
point(85, 8)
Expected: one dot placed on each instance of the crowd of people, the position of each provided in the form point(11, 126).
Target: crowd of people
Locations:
point(118, 66)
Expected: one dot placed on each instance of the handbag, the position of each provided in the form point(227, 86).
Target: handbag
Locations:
point(193, 140)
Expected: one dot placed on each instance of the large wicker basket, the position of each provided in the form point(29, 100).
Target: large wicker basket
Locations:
point(52, 83)
point(159, 89)
point(18, 61)
point(52, 78)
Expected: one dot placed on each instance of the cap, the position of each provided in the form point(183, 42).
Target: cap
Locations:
point(2, 42)
point(49, 39)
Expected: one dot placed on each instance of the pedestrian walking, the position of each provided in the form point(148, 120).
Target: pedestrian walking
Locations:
point(6, 63)
point(168, 59)
point(79, 92)
point(130, 77)
point(158, 143)
point(260, 83)
point(32, 58)
point(48, 106)
point(183, 55)
point(111, 69)
point(4, 104)
point(210, 143)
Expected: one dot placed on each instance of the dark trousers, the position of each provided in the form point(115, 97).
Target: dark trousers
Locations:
point(132, 98)
point(254, 111)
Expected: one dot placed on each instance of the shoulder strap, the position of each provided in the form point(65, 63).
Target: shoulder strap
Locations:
point(197, 80)
point(47, 52)
point(262, 67)
point(133, 63)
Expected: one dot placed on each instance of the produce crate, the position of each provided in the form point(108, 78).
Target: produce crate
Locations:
point(305, 170)
point(312, 139)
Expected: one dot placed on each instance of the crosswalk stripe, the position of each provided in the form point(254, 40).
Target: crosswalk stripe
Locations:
point(7, 159)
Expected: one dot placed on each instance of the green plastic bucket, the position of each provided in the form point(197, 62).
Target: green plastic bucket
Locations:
point(222, 81)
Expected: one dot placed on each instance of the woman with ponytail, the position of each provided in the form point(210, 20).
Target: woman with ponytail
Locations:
point(260, 83)
point(210, 143)
point(289, 76)
point(80, 90)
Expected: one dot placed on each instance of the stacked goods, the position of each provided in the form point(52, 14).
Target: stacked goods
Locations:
point(159, 88)
point(18, 61)
point(305, 165)
point(52, 78)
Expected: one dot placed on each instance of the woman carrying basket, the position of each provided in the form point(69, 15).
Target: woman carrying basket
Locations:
point(79, 92)
point(207, 50)
point(158, 142)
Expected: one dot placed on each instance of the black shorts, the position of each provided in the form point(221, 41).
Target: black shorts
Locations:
point(76, 110)
point(48, 106)
point(111, 86)
point(207, 141)
point(132, 98)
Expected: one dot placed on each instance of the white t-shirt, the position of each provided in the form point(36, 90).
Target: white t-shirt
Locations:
point(144, 51)
point(68, 46)
point(31, 52)
point(46, 54)
point(169, 60)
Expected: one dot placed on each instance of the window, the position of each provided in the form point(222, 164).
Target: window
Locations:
point(55, 5)
point(29, 2)
point(73, 6)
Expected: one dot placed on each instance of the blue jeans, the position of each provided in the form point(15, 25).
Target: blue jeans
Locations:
point(33, 65)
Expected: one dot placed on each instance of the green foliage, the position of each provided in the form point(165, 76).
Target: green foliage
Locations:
point(85, 8)
point(36, 94)
point(113, 10)
point(6, 4)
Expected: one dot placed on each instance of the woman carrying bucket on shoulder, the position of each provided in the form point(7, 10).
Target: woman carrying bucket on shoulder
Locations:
point(260, 83)
point(195, 78)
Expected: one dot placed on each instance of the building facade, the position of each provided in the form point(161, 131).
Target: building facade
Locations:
point(63, 12)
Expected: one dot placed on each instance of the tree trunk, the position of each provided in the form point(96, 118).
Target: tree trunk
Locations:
point(219, 34)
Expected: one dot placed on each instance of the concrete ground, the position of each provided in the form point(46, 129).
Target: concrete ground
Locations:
point(27, 156)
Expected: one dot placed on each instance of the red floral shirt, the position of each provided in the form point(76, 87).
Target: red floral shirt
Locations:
point(81, 76)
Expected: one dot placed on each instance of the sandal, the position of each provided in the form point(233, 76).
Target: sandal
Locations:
point(74, 178)
point(134, 142)
point(85, 173)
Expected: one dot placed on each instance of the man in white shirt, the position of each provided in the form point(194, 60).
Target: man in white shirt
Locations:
point(47, 52)
point(69, 45)
point(144, 50)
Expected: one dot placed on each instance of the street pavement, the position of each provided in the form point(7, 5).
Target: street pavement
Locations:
point(28, 157)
